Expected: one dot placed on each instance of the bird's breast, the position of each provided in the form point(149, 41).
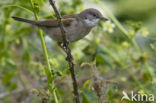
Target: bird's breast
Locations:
point(77, 31)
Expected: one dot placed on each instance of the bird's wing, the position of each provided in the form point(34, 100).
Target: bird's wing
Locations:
point(54, 23)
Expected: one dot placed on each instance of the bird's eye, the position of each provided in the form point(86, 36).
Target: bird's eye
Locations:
point(94, 15)
point(85, 17)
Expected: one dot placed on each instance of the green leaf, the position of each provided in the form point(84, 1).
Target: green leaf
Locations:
point(35, 91)
point(6, 81)
point(7, 78)
point(89, 96)
point(110, 94)
point(104, 59)
point(86, 83)
point(26, 56)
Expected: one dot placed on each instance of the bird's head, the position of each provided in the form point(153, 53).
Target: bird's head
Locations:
point(91, 17)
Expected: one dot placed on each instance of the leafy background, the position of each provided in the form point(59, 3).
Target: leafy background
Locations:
point(107, 63)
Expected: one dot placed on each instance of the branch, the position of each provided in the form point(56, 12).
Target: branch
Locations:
point(59, 21)
point(67, 50)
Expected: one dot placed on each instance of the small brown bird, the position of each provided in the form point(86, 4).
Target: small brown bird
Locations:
point(76, 25)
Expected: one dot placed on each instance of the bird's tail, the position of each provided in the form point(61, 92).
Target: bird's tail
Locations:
point(25, 20)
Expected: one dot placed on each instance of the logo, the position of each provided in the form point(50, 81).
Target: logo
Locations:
point(137, 97)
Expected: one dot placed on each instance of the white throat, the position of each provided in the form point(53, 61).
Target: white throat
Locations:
point(92, 22)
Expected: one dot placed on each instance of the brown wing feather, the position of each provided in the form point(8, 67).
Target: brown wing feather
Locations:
point(67, 19)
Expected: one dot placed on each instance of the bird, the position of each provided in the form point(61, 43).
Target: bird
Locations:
point(77, 26)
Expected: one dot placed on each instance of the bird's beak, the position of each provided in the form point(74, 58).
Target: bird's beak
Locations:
point(103, 19)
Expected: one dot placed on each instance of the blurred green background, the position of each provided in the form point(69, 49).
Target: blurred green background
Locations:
point(107, 63)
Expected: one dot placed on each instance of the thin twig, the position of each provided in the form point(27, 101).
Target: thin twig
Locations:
point(68, 51)
point(48, 69)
